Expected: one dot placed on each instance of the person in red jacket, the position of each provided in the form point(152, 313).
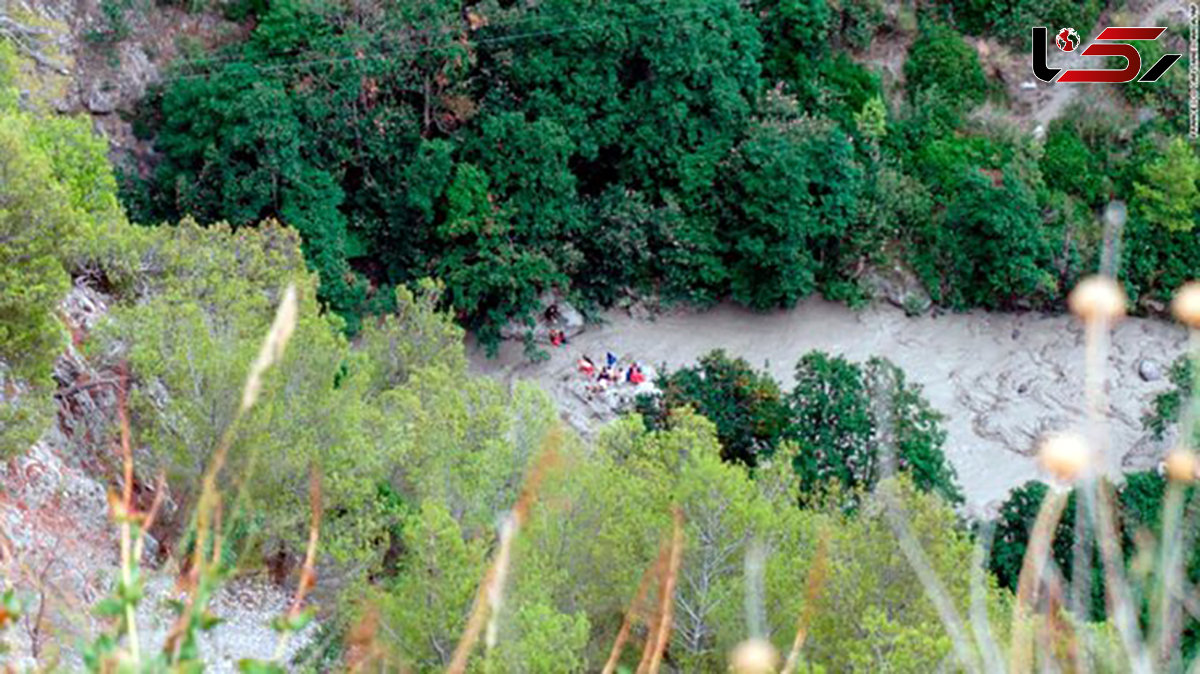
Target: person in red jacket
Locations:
point(635, 375)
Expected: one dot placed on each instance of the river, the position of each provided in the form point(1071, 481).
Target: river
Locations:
point(1000, 379)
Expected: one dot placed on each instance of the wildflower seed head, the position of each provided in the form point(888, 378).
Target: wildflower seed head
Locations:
point(1065, 455)
point(1097, 298)
point(753, 656)
point(1181, 465)
point(1186, 305)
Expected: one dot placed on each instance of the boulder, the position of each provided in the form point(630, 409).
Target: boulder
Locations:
point(900, 287)
point(101, 97)
point(1150, 370)
point(569, 320)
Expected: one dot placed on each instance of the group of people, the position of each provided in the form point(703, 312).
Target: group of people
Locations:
point(558, 336)
point(599, 379)
point(611, 373)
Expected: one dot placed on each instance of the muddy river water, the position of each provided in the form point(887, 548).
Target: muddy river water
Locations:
point(1000, 379)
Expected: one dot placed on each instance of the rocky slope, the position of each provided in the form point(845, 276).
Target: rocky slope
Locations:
point(59, 549)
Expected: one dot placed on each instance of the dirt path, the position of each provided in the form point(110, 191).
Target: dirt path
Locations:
point(1000, 379)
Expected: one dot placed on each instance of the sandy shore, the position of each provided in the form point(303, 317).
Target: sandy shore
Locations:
point(1001, 379)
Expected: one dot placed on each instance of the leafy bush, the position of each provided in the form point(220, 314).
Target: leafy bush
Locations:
point(990, 248)
point(746, 406)
point(1167, 407)
point(790, 202)
point(940, 59)
point(1139, 502)
point(1069, 165)
point(54, 183)
point(1159, 250)
point(1010, 20)
point(829, 428)
point(843, 413)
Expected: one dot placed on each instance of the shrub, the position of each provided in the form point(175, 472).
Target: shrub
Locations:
point(990, 248)
point(940, 59)
point(790, 201)
point(843, 412)
point(746, 405)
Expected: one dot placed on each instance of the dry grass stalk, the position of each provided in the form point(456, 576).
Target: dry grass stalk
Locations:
point(814, 585)
point(308, 571)
point(491, 588)
point(639, 597)
point(662, 632)
point(208, 504)
point(362, 645)
point(1030, 579)
point(1096, 496)
point(126, 514)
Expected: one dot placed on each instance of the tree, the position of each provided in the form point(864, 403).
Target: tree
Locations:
point(941, 59)
point(746, 405)
point(490, 276)
point(1139, 501)
point(1010, 20)
point(793, 33)
point(1159, 250)
point(790, 197)
point(35, 217)
point(427, 605)
point(55, 183)
point(842, 413)
point(990, 248)
point(874, 614)
point(1168, 195)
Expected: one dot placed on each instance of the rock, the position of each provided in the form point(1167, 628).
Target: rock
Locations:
point(101, 97)
point(1150, 370)
point(900, 287)
point(84, 307)
point(1029, 85)
point(569, 320)
point(1153, 306)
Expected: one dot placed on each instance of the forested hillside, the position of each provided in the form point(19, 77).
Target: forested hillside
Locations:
point(270, 381)
point(685, 149)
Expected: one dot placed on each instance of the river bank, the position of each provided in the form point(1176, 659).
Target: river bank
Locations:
point(1001, 379)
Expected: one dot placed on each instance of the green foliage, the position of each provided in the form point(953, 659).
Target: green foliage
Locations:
point(790, 202)
point(440, 570)
point(620, 157)
point(873, 614)
point(1011, 20)
point(55, 183)
point(37, 215)
point(990, 248)
point(847, 418)
point(835, 428)
point(1169, 95)
point(794, 31)
point(1168, 195)
point(1159, 249)
point(941, 60)
point(1167, 407)
point(746, 405)
point(1139, 502)
point(1069, 165)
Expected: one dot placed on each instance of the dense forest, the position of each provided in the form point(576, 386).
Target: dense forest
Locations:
point(365, 182)
point(691, 150)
